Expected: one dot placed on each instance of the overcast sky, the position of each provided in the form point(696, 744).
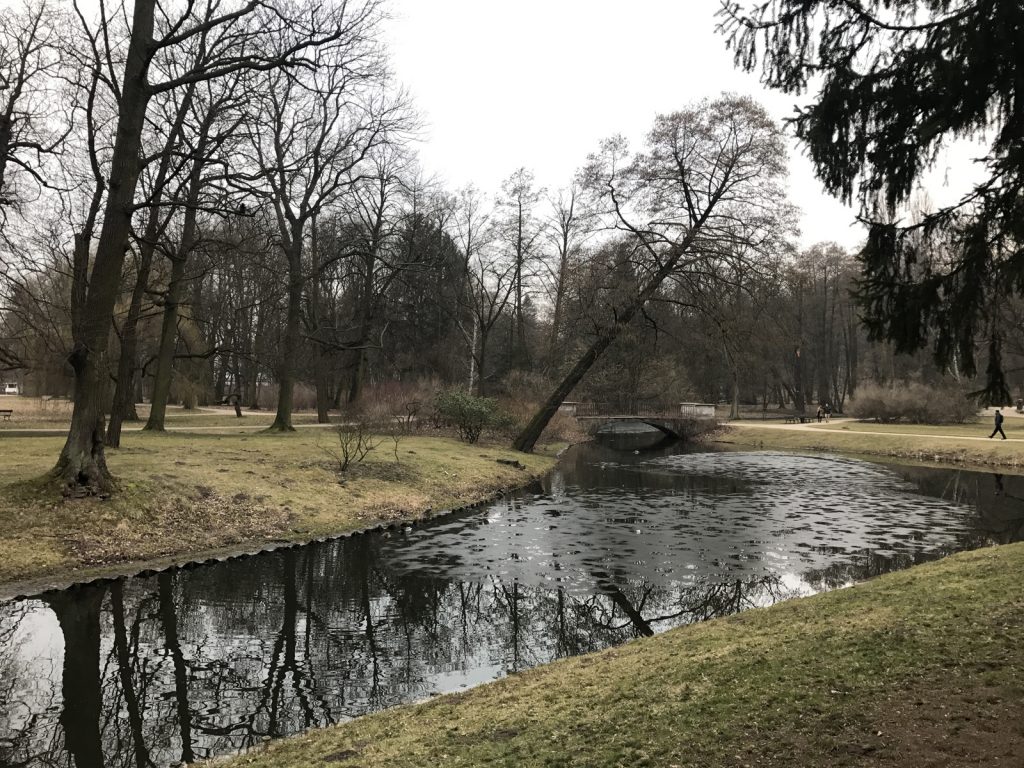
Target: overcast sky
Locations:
point(537, 83)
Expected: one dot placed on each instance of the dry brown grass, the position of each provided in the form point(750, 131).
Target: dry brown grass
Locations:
point(898, 441)
point(184, 495)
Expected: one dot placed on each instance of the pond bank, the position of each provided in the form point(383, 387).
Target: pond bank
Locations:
point(920, 667)
point(961, 447)
point(185, 497)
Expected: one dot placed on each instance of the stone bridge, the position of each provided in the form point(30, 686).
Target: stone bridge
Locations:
point(691, 420)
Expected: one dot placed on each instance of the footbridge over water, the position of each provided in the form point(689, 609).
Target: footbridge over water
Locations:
point(689, 420)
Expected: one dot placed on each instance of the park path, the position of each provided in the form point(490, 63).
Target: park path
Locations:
point(229, 428)
point(815, 427)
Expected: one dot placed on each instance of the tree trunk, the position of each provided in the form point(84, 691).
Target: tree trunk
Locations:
point(526, 439)
point(481, 382)
point(734, 409)
point(292, 339)
point(556, 316)
point(169, 326)
point(165, 356)
point(123, 407)
point(355, 389)
point(323, 398)
point(82, 465)
point(531, 433)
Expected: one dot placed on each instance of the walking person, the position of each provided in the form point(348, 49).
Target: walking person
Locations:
point(828, 412)
point(820, 414)
point(999, 426)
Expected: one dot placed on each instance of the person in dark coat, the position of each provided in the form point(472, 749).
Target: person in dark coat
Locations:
point(999, 426)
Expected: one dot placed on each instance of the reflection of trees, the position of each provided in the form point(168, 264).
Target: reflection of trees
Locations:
point(185, 665)
point(997, 500)
point(169, 621)
point(19, 746)
point(868, 564)
point(78, 612)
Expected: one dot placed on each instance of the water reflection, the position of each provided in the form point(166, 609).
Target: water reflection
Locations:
point(195, 663)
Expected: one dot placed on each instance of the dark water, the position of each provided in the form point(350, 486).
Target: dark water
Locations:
point(215, 659)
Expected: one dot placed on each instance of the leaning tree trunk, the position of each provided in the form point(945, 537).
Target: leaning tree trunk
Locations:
point(82, 465)
point(529, 436)
point(526, 439)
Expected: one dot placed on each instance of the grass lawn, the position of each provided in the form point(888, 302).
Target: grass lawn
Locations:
point(187, 495)
point(978, 429)
point(37, 413)
point(902, 441)
point(924, 667)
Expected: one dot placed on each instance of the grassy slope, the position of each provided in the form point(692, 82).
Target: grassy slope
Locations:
point(922, 445)
point(921, 667)
point(187, 494)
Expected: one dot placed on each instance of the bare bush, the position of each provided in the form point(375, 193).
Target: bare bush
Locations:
point(913, 403)
point(355, 441)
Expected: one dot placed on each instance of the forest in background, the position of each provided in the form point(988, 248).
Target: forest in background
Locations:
point(282, 241)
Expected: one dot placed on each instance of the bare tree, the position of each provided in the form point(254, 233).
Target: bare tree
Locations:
point(215, 127)
point(234, 37)
point(704, 169)
point(311, 132)
point(29, 62)
point(570, 223)
point(521, 231)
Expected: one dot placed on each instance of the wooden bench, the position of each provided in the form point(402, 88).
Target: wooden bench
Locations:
point(6, 413)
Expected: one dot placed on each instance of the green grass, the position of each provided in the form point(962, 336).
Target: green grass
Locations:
point(183, 495)
point(921, 667)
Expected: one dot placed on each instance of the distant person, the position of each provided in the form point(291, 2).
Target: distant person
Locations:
point(828, 412)
point(820, 414)
point(999, 426)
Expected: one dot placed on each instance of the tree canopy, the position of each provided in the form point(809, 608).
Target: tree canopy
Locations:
point(897, 81)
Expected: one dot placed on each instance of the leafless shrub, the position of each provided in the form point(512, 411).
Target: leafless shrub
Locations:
point(355, 441)
point(913, 403)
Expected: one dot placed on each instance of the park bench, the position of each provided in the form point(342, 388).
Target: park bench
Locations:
point(797, 419)
point(6, 413)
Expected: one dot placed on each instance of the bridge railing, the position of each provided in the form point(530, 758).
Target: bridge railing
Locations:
point(624, 407)
point(639, 408)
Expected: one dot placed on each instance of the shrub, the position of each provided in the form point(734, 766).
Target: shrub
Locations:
point(468, 414)
point(355, 441)
point(913, 403)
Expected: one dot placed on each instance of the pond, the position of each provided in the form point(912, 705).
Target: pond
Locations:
point(613, 545)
